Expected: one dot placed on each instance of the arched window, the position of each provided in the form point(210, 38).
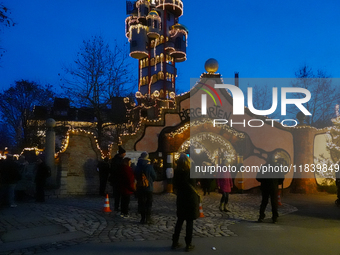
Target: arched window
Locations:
point(162, 57)
point(168, 77)
point(152, 62)
point(160, 75)
point(154, 79)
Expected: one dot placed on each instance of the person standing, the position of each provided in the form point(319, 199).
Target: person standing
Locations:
point(224, 183)
point(21, 187)
point(145, 176)
point(9, 176)
point(127, 186)
point(43, 172)
point(206, 182)
point(187, 202)
point(270, 182)
point(115, 173)
point(103, 168)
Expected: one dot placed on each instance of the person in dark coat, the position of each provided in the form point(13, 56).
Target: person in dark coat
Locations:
point(187, 202)
point(21, 187)
point(115, 173)
point(9, 176)
point(206, 182)
point(43, 172)
point(127, 186)
point(270, 182)
point(104, 170)
point(144, 194)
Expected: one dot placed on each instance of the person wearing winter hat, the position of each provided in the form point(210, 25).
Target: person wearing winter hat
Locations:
point(115, 175)
point(145, 176)
point(144, 155)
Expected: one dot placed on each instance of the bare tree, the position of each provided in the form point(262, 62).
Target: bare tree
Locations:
point(262, 98)
point(16, 105)
point(98, 75)
point(5, 136)
point(5, 21)
point(324, 95)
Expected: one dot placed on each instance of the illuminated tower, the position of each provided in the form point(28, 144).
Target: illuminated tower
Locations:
point(158, 41)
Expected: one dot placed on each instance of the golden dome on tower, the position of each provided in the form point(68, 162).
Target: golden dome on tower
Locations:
point(211, 65)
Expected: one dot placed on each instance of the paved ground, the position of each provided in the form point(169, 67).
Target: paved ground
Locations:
point(77, 225)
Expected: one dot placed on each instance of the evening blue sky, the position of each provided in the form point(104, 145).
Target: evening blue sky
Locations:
point(255, 38)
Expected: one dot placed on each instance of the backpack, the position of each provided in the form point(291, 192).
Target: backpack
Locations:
point(143, 182)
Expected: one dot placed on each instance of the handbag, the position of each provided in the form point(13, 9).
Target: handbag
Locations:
point(198, 195)
point(198, 202)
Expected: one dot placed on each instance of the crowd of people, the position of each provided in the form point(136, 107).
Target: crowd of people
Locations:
point(12, 170)
point(9, 176)
point(138, 180)
point(126, 181)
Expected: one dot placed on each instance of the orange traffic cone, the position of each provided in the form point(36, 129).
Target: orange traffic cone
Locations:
point(107, 204)
point(201, 211)
point(279, 198)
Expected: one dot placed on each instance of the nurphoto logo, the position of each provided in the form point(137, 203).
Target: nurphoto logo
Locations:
point(238, 104)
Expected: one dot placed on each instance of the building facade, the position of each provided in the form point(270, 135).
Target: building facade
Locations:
point(165, 124)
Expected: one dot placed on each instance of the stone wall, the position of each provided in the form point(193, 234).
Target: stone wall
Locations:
point(78, 166)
